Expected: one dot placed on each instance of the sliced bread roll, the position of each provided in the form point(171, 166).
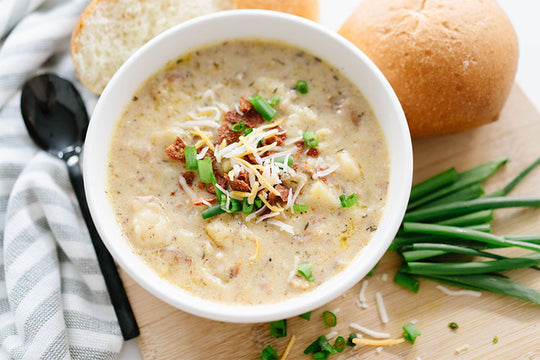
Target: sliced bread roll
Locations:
point(109, 31)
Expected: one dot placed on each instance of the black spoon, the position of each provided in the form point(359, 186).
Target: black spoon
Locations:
point(56, 119)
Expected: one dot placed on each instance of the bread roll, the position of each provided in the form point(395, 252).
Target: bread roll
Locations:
point(305, 8)
point(109, 31)
point(451, 62)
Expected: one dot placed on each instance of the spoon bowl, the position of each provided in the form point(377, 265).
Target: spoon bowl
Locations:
point(56, 119)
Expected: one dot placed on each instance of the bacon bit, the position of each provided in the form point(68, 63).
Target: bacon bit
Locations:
point(201, 201)
point(250, 158)
point(173, 193)
point(313, 152)
point(300, 144)
point(210, 188)
point(176, 151)
point(237, 184)
point(235, 270)
point(225, 133)
point(245, 105)
point(201, 185)
point(189, 176)
point(278, 138)
point(283, 194)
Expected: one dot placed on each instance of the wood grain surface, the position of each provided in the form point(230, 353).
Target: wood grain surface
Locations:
point(168, 333)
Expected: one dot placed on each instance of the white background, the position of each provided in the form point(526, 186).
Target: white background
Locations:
point(524, 15)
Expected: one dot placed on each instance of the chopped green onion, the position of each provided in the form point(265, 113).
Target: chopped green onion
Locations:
point(234, 205)
point(339, 344)
point(406, 281)
point(281, 160)
point(278, 328)
point(213, 211)
point(320, 345)
point(305, 270)
point(495, 339)
point(349, 201)
point(247, 208)
point(206, 173)
point(219, 194)
point(350, 339)
point(306, 316)
point(300, 208)
point(321, 355)
point(433, 183)
point(238, 127)
point(262, 106)
point(310, 138)
point(302, 87)
point(329, 318)
point(410, 333)
point(453, 326)
point(248, 131)
point(190, 153)
point(258, 202)
point(269, 353)
point(275, 100)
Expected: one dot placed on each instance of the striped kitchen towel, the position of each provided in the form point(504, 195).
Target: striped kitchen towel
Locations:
point(53, 300)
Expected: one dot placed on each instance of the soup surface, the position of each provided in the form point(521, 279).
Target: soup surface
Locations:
point(236, 208)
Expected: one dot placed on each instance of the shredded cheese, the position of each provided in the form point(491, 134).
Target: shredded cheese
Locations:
point(282, 226)
point(372, 333)
point(362, 341)
point(381, 308)
point(459, 292)
point(255, 213)
point(331, 335)
point(257, 254)
point(203, 152)
point(379, 349)
point(189, 192)
point(362, 295)
point(271, 207)
point(259, 176)
point(288, 348)
point(196, 131)
point(462, 348)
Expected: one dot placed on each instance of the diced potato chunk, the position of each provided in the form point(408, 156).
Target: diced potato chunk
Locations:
point(323, 133)
point(348, 167)
point(320, 195)
point(151, 228)
point(221, 232)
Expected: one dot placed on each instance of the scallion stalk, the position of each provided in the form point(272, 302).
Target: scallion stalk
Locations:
point(262, 106)
point(206, 173)
point(190, 154)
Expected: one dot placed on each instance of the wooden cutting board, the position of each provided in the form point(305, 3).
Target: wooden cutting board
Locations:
point(168, 333)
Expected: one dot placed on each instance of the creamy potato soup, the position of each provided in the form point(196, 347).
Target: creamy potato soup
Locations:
point(248, 172)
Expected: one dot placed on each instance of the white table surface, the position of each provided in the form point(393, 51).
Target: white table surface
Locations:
point(524, 17)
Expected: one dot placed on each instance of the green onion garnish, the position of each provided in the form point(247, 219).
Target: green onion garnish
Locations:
point(234, 205)
point(206, 173)
point(275, 100)
point(262, 106)
point(238, 127)
point(305, 270)
point(329, 318)
point(453, 326)
point(269, 353)
point(321, 355)
point(302, 87)
point(258, 202)
point(410, 333)
point(247, 208)
point(310, 139)
point(278, 328)
point(495, 340)
point(248, 131)
point(406, 281)
point(190, 153)
point(213, 211)
point(281, 160)
point(350, 339)
point(300, 208)
point(349, 201)
point(339, 344)
point(306, 316)
point(320, 345)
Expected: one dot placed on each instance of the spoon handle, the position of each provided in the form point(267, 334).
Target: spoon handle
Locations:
point(117, 293)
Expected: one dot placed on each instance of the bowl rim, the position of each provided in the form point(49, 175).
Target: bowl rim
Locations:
point(398, 191)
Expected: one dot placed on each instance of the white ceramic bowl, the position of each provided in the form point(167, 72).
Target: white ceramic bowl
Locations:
point(260, 24)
